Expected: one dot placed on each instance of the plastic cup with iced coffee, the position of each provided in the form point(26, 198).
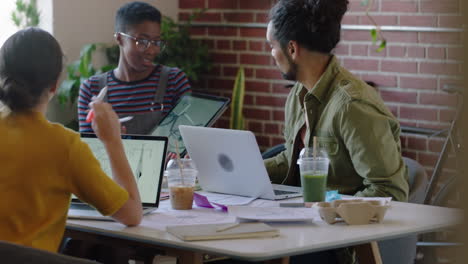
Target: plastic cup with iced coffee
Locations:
point(181, 177)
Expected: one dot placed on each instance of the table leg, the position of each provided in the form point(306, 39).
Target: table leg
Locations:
point(368, 253)
point(283, 260)
point(186, 257)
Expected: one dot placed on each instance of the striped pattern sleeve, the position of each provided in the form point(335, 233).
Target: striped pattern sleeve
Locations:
point(177, 85)
point(84, 98)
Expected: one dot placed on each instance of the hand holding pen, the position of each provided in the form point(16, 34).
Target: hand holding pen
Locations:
point(100, 97)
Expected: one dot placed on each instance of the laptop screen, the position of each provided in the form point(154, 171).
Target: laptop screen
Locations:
point(146, 155)
point(192, 110)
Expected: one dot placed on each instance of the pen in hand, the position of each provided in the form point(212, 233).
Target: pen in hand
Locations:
point(100, 97)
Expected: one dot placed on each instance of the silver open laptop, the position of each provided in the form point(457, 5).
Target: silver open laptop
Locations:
point(146, 155)
point(229, 161)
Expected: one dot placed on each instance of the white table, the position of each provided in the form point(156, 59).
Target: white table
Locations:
point(402, 219)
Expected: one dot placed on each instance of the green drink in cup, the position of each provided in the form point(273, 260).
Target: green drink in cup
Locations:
point(314, 170)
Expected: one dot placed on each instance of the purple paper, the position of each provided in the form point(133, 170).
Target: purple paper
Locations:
point(202, 201)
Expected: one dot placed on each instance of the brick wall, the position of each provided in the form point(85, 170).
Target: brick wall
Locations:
point(410, 73)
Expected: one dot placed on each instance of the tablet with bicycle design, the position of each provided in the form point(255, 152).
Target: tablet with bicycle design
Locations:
point(194, 109)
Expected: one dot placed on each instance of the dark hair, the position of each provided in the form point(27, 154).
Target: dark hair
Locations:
point(30, 63)
point(135, 13)
point(314, 24)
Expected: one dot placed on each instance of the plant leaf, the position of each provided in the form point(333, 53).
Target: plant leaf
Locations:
point(382, 45)
point(364, 2)
point(373, 34)
point(65, 91)
point(237, 102)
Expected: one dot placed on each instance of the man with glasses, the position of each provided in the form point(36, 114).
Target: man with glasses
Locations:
point(137, 87)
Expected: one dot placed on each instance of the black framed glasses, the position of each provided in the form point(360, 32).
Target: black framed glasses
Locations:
point(143, 44)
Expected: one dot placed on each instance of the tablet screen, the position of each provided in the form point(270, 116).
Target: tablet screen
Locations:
point(191, 110)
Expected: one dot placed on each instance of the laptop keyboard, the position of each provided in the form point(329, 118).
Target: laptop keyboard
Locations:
point(280, 192)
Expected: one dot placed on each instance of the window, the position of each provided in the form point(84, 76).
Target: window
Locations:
point(7, 28)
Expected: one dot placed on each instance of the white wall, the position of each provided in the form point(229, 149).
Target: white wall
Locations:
point(79, 22)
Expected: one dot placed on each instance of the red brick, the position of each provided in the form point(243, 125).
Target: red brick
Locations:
point(215, 70)
point(257, 86)
point(359, 50)
point(426, 83)
point(374, 53)
point(256, 4)
point(361, 64)
point(249, 72)
point(399, 6)
point(255, 113)
point(268, 74)
point(418, 113)
point(399, 97)
point(380, 20)
point(222, 31)
point(239, 17)
point(393, 109)
point(440, 68)
point(223, 44)
point(230, 71)
point(350, 19)
point(438, 99)
point(446, 115)
point(280, 88)
point(183, 16)
point(209, 17)
point(263, 141)
point(435, 144)
point(261, 17)
point(253, 32)
point(440, 37)
point(436, 53)
point(224, 58)
point(255, 59)
point(276, 141)
point(222, 4)
point(399, 66)
point(221, 84)
point(270, 100)
point(249, 99)
point(418, 21)
point(239, 45)
point(427, 159)
point(416, 52)
point(356, 35)
point(451, 82)
point(209, 43)
point(451, 21)
point(396, 51)
point(191, 3)
point(381, 80)
point(197, 31)
point(415, 143)
point(272, 129)
point(278, 115)
point(454, 53)
point(341, 49)
point(256, 45)
point(438, 6)
point(410, 154)
point(255, 127)
point(356, 5)
point(405, 37)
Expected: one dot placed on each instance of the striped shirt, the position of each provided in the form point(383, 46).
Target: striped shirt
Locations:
point(133, 97)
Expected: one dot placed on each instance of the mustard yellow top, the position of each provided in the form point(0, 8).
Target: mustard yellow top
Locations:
point(41, 165)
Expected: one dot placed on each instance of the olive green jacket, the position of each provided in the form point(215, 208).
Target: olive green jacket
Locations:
point(359, 133)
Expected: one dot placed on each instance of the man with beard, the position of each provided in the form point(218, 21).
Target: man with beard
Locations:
point(349, 119)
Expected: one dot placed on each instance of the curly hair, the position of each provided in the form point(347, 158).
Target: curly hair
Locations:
point(314, 24)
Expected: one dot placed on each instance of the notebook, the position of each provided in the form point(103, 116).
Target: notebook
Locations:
point(194, 109)
point(146, 155)
point(229, 161)
point(222, 231)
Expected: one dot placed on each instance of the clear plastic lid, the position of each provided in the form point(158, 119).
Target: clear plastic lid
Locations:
point(308, 154)
point(187, 164)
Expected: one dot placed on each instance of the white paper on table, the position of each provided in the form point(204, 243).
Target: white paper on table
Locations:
point(273, 214)
point(226, 199)
point(385, 200)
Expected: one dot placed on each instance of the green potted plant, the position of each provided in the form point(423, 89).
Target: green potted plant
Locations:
point(237, 101)
point(26, 14)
